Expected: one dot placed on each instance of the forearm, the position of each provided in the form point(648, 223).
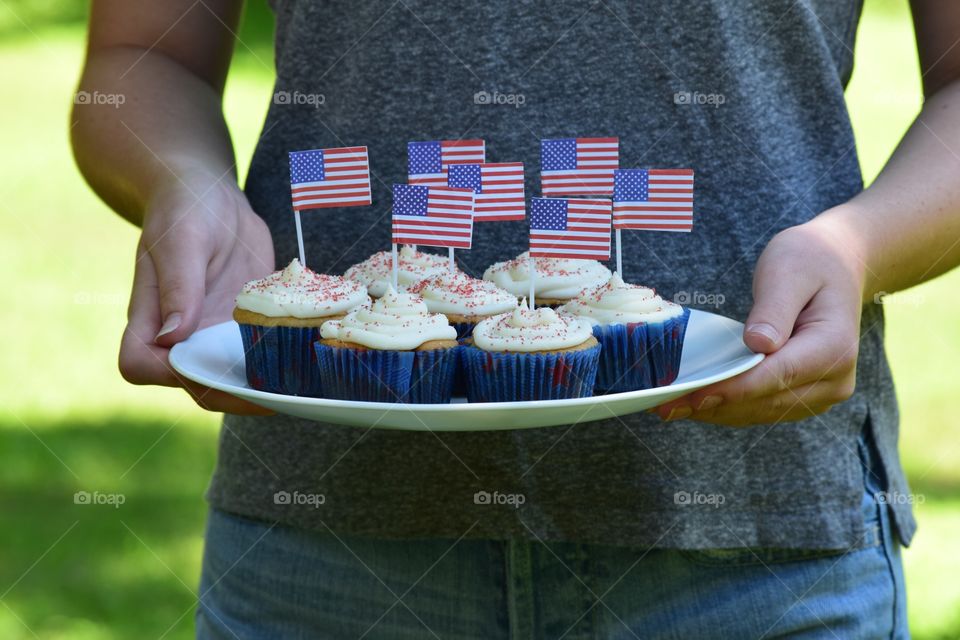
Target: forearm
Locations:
point(905, 227)
point(169, 128)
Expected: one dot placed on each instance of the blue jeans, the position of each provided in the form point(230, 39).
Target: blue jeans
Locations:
point(270, 581)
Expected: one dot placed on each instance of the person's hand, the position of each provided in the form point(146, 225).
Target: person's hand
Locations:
point(808, 290)
point(201, 242)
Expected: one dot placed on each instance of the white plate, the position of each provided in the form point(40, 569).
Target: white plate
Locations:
point(713, 350)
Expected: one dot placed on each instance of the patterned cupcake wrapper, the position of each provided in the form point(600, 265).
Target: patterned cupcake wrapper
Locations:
point(281, 359)
point(640, 355)
point(464, 329)
point(507, 377)
point(386, 376)
point(433, 374)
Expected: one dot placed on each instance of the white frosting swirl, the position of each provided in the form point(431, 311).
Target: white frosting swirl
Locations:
point(459, 294)
point(557, 278)
point(396, 321)
point(299, 292)
point(618, 302)
point(376, 271)
point(523, 330)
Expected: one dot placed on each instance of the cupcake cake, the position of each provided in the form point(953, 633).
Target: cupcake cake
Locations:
point(558, 280)
point(280, 318)
point(530, 355)
point(376, 272)
point(464, 300)
point(393, 351)
point(640, 333)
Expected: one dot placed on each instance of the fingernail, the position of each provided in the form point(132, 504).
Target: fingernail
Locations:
point(170, 324)
point(680, 412)
point(710, 402)
point(766, 330)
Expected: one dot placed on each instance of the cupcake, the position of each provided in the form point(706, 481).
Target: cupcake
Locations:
point(393, 351)
point(530, 355)
point(558, 280)
point(464, 300)
point(640, 333)
point(280, 318)
point(376, 272)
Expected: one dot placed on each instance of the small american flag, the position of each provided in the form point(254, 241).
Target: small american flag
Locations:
point(653, 199)
point(432, 216)
point(330, 178)
point(578, 166)
point(427, 162)
point(498, 187)
point(570, 228)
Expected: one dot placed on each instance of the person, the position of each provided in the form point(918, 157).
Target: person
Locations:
point(761, 507)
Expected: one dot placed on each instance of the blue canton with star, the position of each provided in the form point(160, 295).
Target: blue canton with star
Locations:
point(423, 157)
point(631, 185)
point(548, 214)
point(306, 166)
point(465, 176)
point(410, 199)
point(558, 155)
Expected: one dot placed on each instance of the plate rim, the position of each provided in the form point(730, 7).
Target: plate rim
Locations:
point(248, 394)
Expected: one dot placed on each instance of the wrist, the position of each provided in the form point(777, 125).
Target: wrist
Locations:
point(842, 229)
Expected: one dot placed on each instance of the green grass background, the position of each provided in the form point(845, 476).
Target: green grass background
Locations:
point(68, 422)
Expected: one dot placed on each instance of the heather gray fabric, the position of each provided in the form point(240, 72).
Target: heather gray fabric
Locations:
point(777, 151)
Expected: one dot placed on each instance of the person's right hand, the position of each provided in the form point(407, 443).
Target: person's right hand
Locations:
point(201, 242)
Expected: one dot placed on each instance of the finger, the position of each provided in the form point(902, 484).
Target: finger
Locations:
point(794, 404)
point(141, 360)
point(778, 298)
point(815, 353)
point(180, 257)
point(219, 401)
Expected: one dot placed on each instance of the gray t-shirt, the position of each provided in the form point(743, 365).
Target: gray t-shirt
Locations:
point(776, 152)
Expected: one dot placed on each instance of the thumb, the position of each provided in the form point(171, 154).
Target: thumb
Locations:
point(780, 292)
point(180, 261)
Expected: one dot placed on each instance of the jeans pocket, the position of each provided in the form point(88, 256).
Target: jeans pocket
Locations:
point(747, 556)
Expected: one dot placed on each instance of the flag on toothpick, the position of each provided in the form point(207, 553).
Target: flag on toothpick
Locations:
point(427, 162)
point(498, 187)
point(432, 216)
point(330, 178)
point(570, 228)
point(578, 166)
point(653, 199)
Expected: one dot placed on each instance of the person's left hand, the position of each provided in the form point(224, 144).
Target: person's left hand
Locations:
point(808, 291)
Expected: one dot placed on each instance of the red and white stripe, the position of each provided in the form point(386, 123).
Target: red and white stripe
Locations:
point(597, 158)
point(451, 152)
point(346, 181)
point(503, 194)
point(668, 208)
point(587, 235)
point(448, 223)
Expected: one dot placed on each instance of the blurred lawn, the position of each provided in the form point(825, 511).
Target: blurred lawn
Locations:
point(95, 572)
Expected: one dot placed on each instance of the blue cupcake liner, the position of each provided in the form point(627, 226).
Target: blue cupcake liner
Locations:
point(640, 355)
point(281, 359)
point(509, 377)
point(364, 374)
point(431, 381)
point(464, 329)
point(386, 376)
